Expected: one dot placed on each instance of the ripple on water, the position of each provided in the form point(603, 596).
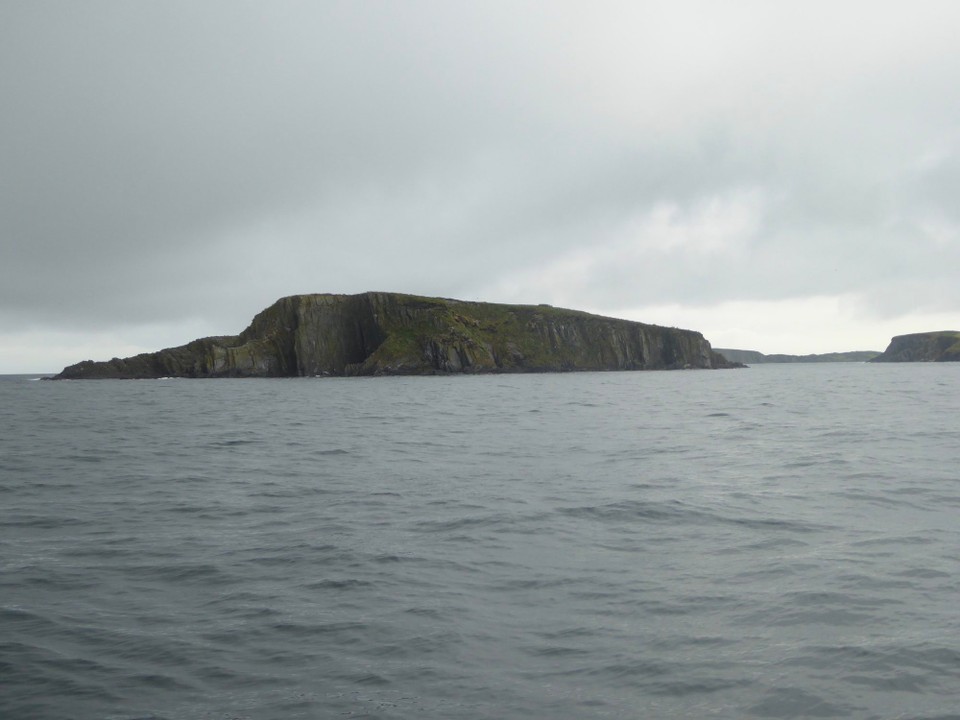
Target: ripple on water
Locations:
point(771, 543)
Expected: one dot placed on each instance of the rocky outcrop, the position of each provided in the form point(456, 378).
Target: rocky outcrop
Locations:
point(752, 357)
point(392, 334)
point(942, 346)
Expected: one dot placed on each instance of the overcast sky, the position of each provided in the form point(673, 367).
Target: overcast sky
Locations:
point(781, 176)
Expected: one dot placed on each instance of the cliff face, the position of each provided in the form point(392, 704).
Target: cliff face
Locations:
point(393, 334)
point(942, 346)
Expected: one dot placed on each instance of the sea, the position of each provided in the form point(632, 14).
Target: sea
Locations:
point(781, 541)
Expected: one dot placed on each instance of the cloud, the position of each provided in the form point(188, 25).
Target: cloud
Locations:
point(184, 164)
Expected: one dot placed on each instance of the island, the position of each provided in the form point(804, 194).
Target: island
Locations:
point(752, 357)
point(380, 333)
point(939, 346)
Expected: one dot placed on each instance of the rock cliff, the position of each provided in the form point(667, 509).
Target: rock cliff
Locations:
point(942, 346)
point(392, 334)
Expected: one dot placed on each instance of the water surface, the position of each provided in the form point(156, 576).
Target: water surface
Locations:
point(778, 542)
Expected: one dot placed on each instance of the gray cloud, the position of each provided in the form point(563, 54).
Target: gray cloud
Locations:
point(186, 162)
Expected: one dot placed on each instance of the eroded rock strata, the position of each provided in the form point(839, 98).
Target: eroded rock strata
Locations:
point(942, 346)
point(392, 334)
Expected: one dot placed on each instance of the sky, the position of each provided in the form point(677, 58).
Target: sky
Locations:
point(780, 176)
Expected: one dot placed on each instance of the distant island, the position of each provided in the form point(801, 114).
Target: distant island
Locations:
point(752, 357)
point(378, 333)
point(939, 346)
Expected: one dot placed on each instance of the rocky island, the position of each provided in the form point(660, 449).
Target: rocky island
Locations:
point(378, 333)
point(941, 346)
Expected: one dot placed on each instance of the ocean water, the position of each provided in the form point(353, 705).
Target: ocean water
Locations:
point(776, 542)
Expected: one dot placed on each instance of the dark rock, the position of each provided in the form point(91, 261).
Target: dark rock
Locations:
point(393, 334)
point(941, 346)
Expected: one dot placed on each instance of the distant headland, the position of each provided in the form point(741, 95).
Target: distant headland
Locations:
point(752, 357)
point(939, 346)
point(379, 333)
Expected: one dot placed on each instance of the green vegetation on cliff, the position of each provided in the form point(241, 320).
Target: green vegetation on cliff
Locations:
point(941, 346)
point(393, 334)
